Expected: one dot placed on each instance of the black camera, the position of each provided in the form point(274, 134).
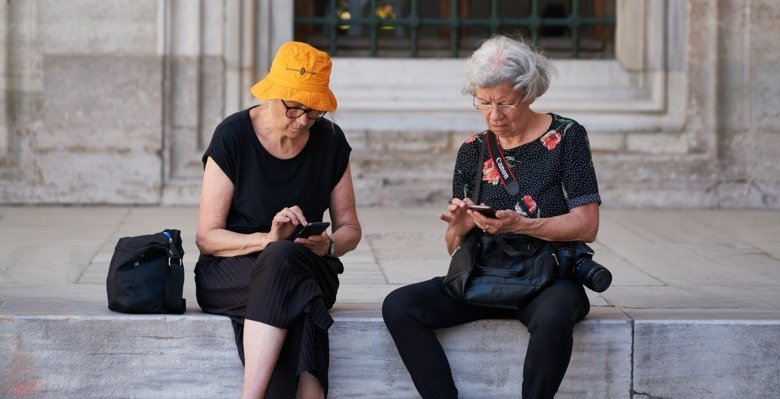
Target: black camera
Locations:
point(575, 260)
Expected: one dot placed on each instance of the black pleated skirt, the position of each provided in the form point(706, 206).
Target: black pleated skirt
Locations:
point(286, 286)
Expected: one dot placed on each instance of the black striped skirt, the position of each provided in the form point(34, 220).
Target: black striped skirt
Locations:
point(286, 286)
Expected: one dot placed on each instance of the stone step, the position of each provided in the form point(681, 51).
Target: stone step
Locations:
point(193, 356)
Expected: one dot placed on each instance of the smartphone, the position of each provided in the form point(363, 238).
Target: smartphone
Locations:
point(311, 229)
point(486, 210)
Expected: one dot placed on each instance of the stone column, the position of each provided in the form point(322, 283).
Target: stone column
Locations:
point(214, 51)
point(4, 57)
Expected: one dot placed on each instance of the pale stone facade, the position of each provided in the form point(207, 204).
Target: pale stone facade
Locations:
point(113, 102)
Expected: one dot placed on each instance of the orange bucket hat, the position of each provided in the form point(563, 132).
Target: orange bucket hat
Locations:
point(298, 73)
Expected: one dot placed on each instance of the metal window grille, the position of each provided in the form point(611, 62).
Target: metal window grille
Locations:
point(454, 28)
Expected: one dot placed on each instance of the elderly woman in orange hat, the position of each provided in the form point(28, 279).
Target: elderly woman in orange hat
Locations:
point(269, 169)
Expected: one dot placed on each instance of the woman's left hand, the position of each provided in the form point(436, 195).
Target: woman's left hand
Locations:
point(506, 221)
point(319, 244)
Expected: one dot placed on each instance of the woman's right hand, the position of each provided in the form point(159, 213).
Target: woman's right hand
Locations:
point(284, 223)
point(457, 218)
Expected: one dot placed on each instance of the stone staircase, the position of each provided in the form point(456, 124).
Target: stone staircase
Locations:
point(692, 312)
point(193, 356)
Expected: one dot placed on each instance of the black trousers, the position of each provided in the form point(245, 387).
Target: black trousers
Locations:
point(413, 312)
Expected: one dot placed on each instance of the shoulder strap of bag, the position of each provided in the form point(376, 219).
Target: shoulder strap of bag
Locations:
point(174, 278)
point(478, 176)
point(478, 180)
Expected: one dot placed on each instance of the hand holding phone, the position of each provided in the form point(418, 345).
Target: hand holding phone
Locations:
point(486, 210)
point(308, 230)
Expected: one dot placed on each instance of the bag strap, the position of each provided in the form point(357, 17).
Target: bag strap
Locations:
point(174, 277)
point(508, 248)
point(478, 182)
point(478, 176)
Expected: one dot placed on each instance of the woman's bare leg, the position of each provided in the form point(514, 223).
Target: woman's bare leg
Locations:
point(309, 387)
point(262, 344)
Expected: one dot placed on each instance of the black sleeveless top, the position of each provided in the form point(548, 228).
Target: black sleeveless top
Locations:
point(264, 184)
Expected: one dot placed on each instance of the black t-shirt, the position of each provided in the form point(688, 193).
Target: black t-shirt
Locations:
point(264, 184)
point(555, 172)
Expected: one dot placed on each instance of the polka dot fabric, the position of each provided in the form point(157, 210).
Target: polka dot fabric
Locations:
point(555, 172)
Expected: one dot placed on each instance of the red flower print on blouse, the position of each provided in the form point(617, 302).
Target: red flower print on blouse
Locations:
point(470, 139)
point(551, 139)
point(529, 203)
point(490, 172)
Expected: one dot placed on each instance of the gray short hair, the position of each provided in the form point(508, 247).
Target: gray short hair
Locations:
point(503, 60)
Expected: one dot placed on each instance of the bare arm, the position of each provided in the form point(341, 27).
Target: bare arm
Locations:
point(211, 236)
point(580, 224)
point(343, 212)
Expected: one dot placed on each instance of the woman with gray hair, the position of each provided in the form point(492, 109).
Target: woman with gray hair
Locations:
point(549, 156)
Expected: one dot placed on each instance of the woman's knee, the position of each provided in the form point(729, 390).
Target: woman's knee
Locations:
point(551, 324)
point(395, 307)
point(550, 321)
point(282, 248)
point(273, 267)
point(277, 256)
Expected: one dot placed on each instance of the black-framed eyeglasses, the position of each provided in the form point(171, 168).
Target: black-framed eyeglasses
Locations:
point(296, 112)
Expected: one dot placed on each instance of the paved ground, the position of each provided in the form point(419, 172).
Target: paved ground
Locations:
point(677, 264)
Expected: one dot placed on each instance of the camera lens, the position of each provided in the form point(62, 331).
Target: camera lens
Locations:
point(593, 275)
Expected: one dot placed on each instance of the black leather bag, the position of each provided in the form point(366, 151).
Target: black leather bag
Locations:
point(491, 270)
point(488, 270)
point(146, 274)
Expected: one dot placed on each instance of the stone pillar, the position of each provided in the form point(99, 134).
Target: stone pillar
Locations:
point(4, 58)
point(21, 87)
point(748, 110)
point(214, 51)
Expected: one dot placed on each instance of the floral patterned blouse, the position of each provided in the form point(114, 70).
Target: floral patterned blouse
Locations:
point(555, 172)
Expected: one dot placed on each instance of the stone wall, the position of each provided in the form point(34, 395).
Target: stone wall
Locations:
point(83, 102)
point(112, 103)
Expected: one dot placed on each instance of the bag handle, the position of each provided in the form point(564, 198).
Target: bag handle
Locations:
point(532, 247)
point(493, 271)
point(173, 291)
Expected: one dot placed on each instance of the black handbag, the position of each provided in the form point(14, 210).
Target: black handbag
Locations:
point(146, 274)
point(495, 271)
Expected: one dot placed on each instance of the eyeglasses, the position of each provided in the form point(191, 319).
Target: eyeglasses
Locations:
point(483, 107)
point(296, 112)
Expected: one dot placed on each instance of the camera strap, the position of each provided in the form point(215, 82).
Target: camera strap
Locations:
point(505, 173)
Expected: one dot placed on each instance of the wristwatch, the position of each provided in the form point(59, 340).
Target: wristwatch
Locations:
point(331, 247)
